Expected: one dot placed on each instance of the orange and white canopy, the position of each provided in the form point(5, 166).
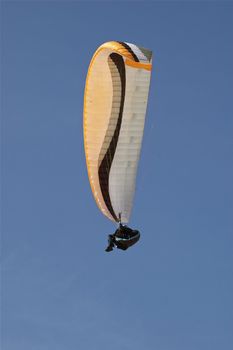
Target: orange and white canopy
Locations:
point(115, 102)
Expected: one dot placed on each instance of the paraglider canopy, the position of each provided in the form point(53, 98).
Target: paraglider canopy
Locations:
point(115, 102)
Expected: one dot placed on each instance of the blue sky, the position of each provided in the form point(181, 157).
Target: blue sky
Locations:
point(173, 290)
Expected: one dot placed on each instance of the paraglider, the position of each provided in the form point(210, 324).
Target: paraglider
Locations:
point(115, 102)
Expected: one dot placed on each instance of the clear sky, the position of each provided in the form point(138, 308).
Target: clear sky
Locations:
point(173, 290)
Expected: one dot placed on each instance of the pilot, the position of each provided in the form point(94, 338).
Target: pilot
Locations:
point(123, 238)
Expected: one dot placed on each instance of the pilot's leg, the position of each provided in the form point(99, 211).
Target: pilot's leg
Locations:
point(110, 243)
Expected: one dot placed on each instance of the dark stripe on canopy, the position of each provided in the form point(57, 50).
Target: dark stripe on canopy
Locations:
point(105, 166)
point(127, 47)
